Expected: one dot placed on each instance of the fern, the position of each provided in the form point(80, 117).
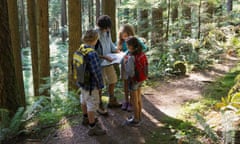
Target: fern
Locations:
point(208, 130)
point(16, 121)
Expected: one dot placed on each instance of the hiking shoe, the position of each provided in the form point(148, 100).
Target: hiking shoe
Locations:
point(125, 106)
point(101, 110)
point(96, 130)
point(129, 108)
point(113, 103)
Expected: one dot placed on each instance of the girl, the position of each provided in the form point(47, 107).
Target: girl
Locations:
point(125, 31)
point(136, 72)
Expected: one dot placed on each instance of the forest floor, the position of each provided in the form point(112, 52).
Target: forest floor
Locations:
point(162, 103)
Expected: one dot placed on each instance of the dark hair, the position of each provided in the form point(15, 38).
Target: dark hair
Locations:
point(134, 42)
point(104, 22)
point(126, 28)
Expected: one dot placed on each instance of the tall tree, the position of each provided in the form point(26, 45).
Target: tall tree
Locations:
point(229, 5)
point(31, 12)
point(174, 17)
point(97, 9)
point(109, 8)
point(186, 12)
point(143, 23)
point(90, 13)
point(43, 45)
point(75, 32)
point(157, 22)
point(9, 94)
point(199, 18)
point(15, 40)
point(168, 19)
point(23, 25)
point(64, 21)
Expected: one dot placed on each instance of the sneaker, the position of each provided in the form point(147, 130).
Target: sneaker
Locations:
point(133, 123)
point(129, 108)
point(101, 110)
point(125, 106)
point(113, 103)
point(96, 130)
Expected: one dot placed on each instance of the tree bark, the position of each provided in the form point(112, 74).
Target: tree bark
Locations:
point(143, 23)
point(64, 21)
point(43, 45)
point(97, 9)
point(186, 12)
point(75, 32)
point(199, 19)
point(229, 6)
point(9, 94)
point(15, 40)
point(157, 22)
point(168, 20)
point(23, 26)
point(90, 13)
point(109, 8)
point(31, 7)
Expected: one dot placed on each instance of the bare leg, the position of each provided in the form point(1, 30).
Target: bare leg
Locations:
point(91, 117)
point(111, 89)
point(126, 91)
point(139, 103)
point(84, 108)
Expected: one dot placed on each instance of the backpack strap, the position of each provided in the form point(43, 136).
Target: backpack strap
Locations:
point(85, 50)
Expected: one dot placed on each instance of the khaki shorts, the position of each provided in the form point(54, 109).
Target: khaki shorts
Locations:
point(91, 101)
point(109, 75)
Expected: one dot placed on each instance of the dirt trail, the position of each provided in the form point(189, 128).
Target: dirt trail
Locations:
point(160, 102)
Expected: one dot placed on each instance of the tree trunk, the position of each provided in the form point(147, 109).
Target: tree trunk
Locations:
point(90, 13)
point(109, 8)
point(126, 12)
point(157, 23)
point(143, 23)
point(75, 32)
point(64, 21)
point(229, 6)
point(174, 16)
point(168, 20)
point(43, 45)
point(31, 6)
point(97, 9)
point(15, 40)
point(23, 26)
point(9, 94)
point(199, 19)
point(186, 12)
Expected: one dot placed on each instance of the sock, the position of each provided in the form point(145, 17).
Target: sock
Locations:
point(91, 125)
point(85, 115)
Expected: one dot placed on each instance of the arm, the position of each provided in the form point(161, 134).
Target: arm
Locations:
point(95, 69)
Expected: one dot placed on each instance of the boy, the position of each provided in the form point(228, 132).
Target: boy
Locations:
point(90, 89)
point(109, 75)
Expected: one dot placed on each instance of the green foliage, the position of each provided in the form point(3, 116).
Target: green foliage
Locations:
point(208, 130)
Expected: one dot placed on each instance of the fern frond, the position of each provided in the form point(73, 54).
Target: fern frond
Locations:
point(16, 120)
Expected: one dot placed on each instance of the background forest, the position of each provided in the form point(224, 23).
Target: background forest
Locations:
point(38, 38)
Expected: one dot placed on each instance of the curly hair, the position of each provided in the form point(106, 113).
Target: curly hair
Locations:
point(104, 22)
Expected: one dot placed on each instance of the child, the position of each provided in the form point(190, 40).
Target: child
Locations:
point(125, 31)
point(109, 75)
point(90, 91)
point(136, 70)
